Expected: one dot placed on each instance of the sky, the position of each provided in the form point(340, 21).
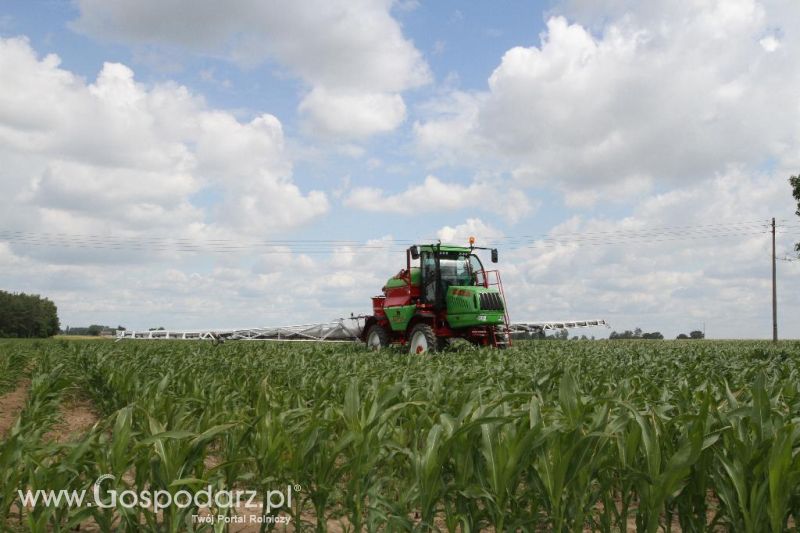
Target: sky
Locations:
point(198, 164)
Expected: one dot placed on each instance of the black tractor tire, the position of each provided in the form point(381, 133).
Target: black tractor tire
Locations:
point(422, 340)
point(377, 338)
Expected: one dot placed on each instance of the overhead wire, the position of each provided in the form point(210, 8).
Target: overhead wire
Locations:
point(758, 223)
point(325, 246)
point(286, 246)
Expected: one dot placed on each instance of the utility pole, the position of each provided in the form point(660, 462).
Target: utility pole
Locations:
point(774, 289)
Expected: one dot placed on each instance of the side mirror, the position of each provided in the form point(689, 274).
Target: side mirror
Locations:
point(494, 255)
point(414, 252)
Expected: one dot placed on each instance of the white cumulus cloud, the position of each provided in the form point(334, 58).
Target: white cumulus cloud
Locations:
point(118, 156)
point(665, 96)
point(352, 114)
point(485, 234)
point(693, 255)
point(434, 194)
point(353, 54)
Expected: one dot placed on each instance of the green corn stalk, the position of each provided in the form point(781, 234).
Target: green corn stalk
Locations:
point(427, 464)
point(561, 436)
point(565, 462)
point(667, 469)
point(758, 472)
point(505, 449)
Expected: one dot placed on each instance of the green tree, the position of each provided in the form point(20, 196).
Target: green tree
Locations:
point(637, 333)
point(27, 315)
point(795, 183)
point(560, 335)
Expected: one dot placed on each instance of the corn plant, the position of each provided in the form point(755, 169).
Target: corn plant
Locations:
point(570, 436)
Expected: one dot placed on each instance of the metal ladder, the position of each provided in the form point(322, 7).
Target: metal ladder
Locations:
point(498, 282)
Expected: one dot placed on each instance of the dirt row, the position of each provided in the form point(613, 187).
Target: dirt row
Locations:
point(11, 405)
point(76, 416)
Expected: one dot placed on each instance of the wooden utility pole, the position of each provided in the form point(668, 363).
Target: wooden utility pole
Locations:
point(774, 290)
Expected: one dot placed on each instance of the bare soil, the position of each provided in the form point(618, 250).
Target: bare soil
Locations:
point(11, 404)
point(76, 417)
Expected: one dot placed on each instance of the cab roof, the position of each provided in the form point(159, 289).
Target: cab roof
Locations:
point(444, 248)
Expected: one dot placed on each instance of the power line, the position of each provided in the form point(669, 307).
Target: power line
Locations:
point(324, 246)
point(645, 232)
point(640, 240)
point(647, 235)
point(272, 248)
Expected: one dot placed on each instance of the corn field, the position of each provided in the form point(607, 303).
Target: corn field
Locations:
point(545, 436)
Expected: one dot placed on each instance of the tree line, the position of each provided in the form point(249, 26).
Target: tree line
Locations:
point(639, 334)
point(563, 335)
point(635, 334)
point(27, 315)
point(95, 330)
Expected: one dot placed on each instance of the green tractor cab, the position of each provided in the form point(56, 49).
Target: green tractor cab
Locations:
point(444, 293)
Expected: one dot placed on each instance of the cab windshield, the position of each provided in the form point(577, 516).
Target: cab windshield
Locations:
point(460, 270)
point(455, 269)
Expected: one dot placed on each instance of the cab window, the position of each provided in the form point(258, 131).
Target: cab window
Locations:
point(476, 269)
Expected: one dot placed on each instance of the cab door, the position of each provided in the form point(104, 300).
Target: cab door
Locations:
point(429, 277)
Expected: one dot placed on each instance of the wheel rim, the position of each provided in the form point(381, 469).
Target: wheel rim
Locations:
point(374, 341)
point(419, 343)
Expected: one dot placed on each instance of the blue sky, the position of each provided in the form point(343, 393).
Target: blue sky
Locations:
point(602, 123)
